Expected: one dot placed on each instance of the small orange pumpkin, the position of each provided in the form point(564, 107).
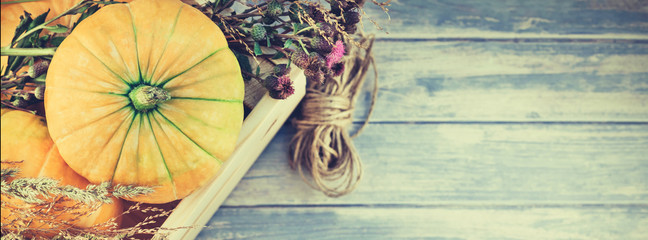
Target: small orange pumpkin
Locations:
point(146, 93)
point(25, 138)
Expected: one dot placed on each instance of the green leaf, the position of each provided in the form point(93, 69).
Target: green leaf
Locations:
point(257, 49)
point(41, 41)
point(57, 29)
point(56, 41)
point(258, 70)
point(244, 62)
point(22, 26)
point(288, 43)
point(38, 20)
point(88, 11)
point(40, 79)
point(268, 42)
point(278, 55)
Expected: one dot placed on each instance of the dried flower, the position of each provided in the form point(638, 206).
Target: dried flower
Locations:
point(39, 92)
point(19, 103)
point(299, 58)
point(321, 45)
point(336, 54)
point(327, 29)
point(281, 69)
point(274, 9)
point(279, 87)
point(314, 75)
point(351, 18)
point(38, 68)
point(258, 32)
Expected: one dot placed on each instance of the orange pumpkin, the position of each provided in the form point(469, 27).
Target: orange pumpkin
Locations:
point(25, 138)
point(146, 93)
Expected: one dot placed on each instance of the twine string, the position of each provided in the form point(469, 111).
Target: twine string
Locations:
point(322, 146)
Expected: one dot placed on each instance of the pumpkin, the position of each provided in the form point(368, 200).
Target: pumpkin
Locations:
point(25, 138)
point(146, 93)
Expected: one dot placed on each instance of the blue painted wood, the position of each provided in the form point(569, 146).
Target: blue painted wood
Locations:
point(440, 222)
point(486, 19)
point(505, 81)
point(429, 164)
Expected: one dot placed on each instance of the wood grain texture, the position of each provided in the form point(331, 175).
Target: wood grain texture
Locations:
point(495, 81)
point(494, 120)
point(471, 164)
point(429, 223)
point(475, 19)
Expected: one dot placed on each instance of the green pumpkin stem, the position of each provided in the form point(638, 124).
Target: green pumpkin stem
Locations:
point(146, 97)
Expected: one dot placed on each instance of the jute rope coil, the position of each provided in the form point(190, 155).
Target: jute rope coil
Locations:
point(322, 146)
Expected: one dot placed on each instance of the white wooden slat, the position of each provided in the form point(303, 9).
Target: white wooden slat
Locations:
point(257, 131)
point(471, 164)
point(511, 82)
point(444, 222)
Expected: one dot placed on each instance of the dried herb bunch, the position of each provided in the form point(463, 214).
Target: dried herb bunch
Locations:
point(33, 208)
point(310, 34)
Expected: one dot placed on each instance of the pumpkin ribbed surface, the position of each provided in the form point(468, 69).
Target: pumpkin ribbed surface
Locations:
point(175, 145)
point(25, 138)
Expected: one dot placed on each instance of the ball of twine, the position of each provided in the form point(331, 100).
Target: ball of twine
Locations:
point(322, 146)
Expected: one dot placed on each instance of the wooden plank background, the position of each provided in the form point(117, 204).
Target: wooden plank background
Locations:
point(495, 120)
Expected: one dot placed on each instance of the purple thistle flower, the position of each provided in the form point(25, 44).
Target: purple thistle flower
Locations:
point(336, 54)
point(280, 88)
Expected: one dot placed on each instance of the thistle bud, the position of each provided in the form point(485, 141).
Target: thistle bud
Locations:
point(39, 92)
point(258, 32)
point(321, 45)
point(279, 87)
point(270, 82)
point(350, 29)
point(315, 76)
point(351, 18)
point(318, 15)
point(300, 58)
point(38, 68)
point(315, 61)
point(24, 95)
point(281, 69)
point(274, 9)
point(338, 6)
point(19, 102)
point(326, 29)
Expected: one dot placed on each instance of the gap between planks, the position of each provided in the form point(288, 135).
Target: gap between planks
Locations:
point(452, 205)
point(517, 122)
point(567, 39)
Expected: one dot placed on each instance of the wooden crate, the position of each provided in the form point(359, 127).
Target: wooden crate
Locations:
point(259, 127)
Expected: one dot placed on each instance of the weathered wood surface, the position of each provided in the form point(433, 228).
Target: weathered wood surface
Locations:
point(495, 120)
point(505, 19)
point(496, 81)
point(472, 164)
point(436, 222)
